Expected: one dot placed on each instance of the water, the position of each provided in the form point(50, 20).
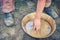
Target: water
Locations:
point(29, 26)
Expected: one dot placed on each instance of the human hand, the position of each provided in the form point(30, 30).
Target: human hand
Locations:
point(37, 23)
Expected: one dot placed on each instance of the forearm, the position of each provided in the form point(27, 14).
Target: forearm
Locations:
point(40, 7)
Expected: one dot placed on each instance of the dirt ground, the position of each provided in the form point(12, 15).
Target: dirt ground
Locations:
point(16, 32)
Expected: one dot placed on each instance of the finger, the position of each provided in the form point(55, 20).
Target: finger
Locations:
point(34, 28)
point(37, 29)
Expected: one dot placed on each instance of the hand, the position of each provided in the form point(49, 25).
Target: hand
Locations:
point(37, 24)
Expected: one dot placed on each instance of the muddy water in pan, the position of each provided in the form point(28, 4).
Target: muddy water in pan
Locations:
point(29, 26)
point(45, 29)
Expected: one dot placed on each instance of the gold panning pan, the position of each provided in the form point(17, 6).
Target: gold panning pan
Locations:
point(48, 25)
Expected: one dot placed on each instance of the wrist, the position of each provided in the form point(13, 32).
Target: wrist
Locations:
point(38, 16)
